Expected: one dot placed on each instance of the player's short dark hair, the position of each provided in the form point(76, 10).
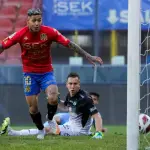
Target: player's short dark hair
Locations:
point(34, 11)
point(73, 75)
point(95, 94)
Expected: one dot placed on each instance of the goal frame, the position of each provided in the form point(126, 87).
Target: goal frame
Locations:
point(133, 74)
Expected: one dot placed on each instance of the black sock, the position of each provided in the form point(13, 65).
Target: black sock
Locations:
point(51, 110)
point(37, 119)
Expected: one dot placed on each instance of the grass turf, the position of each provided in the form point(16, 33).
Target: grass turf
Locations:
point(114, 139)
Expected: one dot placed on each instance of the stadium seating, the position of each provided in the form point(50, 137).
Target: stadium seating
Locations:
point(13, 55)
point(17, 3)
point(12, 61)
point(14, 52)
point(3, 57)
point(23, 12)
point(8, 12)
point(19, 24)
point(3, 35)
point(13, 14)
point(6, 25)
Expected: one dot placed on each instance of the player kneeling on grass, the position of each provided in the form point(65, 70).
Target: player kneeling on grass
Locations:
point(63, 117)
point(82, 112)
point(49, 129)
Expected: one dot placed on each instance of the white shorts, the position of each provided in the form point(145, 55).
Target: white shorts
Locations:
point(69, 129)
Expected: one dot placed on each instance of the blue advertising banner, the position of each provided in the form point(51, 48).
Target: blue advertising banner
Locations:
point(80, 14)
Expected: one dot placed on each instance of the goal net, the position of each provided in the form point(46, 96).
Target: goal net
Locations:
point(138, 97)
point(144, 140)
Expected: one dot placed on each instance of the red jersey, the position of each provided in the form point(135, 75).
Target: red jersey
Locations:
point(35, 47)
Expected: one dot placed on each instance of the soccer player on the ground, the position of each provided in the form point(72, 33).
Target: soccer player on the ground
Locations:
point(35, 41)
point(60, 118)
point(82, 112)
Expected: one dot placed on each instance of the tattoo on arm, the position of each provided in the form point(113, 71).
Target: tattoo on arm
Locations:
point(78, 49)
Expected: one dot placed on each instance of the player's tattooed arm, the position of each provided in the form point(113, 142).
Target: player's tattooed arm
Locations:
point(79, 50)
point(73, 46)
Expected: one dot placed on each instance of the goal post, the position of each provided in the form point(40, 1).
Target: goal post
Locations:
point(133, 74)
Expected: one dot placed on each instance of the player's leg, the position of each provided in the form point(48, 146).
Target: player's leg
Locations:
point(24, 132)
point(32, 102)
point(52, 95)
point(32, 89)
point(49, 86)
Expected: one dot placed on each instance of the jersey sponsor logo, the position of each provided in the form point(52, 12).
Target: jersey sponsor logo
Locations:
point(27, 89)
point(92, 109)
point(27, 80)
point(43, 37)
point(34, 45)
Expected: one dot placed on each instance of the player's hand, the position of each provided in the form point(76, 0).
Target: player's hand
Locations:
point(95, 59)
point(98, 135)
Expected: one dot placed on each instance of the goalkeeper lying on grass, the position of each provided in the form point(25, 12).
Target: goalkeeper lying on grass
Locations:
point(82, 112)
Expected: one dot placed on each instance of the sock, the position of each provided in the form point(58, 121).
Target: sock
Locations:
point(23, 132)
point(51, 110)
point(37, 119)
point(14, 133)
point(29, 132)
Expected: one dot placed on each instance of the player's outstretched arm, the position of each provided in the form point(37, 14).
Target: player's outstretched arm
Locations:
point(98, 125)
point(58, 37)
point(98, 121)
point(79, 50)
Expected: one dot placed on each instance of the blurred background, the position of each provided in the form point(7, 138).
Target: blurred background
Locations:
point(99, 27)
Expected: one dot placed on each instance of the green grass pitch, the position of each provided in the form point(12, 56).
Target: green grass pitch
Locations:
point(114, 139)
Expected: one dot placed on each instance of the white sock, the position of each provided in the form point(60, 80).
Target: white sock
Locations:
point(23, 132)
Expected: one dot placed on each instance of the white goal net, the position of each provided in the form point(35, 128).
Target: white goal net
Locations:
point(138, 97)
point(144, 140)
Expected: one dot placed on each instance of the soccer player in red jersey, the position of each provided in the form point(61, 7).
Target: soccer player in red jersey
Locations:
point(35, 40)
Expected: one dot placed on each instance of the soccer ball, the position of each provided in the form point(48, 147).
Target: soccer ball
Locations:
point(144, 123)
